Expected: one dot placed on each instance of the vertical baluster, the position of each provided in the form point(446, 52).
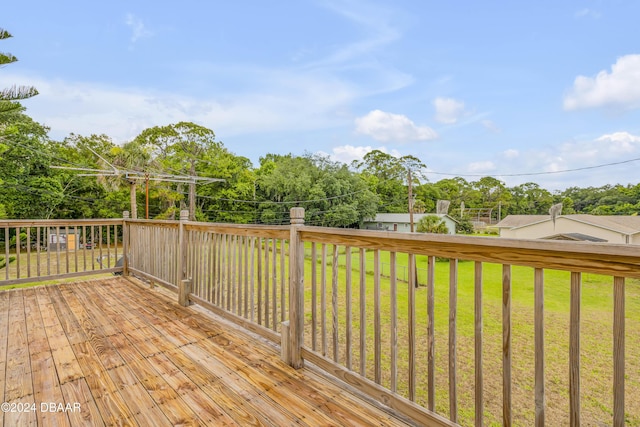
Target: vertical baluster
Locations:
point(28, 230)
point(411, 285)
point(479, 405)
point(240, 279)
point(314, 297)
point(57, 249)
point(6, 253)
point(260, 243)
point(252, 283)
point(393, 308)
point(76, 247)
point(431, 335)
point(100, 242)
point(267, 310)
point(246, 275)
point(348, 307)
point(453, 314)
point(274, 284)
point(363, 312)
point(38, 244)
point(115, 244)
point(377, 339)
point(84, 249)
point(18, 244)
point(618, 351)
point(334, 302)
point(574, 350)
point(323, 299)
point(539, 345)
point(506, 345)
point(283, 288)
point(93, 248)
point(108, 230)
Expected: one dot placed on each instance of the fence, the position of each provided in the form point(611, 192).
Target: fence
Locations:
point(39, 250)
point(455, 330)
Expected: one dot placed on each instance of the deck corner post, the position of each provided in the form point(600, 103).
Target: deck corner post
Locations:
point(285, 347)
point(183, 292)
point(181, 272)
point(125, 243)
point(296, 290)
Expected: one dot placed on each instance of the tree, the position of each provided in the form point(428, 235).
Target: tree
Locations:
point(29, 187)
point(387, 177)
point(432, 224)
point(331, 194)
point(179, 148)
point(530, 199)
point(8, 96)
point(86, 196)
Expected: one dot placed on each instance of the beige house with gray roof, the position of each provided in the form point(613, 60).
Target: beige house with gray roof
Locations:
point(623, 229)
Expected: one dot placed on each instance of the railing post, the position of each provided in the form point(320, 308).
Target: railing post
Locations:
point(183, 292)
point(125, 243)
point(296, 291)
point(182, 250)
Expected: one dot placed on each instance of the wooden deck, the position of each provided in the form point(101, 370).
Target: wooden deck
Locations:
point(110, 352)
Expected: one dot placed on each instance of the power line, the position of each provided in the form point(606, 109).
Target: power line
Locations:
point(539, 173)
point(280, 203)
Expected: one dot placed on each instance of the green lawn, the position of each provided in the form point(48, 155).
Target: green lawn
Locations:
point(596, 337)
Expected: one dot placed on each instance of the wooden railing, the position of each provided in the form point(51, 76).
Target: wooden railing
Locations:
point(378, 305)
point(238, 271)
point(455, 330)
point(40, 250)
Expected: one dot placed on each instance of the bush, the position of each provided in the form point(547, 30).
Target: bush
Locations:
point(432, 224)
point(3, 263)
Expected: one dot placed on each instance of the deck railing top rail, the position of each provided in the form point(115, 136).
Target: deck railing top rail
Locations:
point(598, 258)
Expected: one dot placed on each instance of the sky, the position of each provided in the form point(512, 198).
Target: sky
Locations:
point(545, 91)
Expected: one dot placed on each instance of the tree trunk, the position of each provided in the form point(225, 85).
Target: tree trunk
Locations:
point(133, 200)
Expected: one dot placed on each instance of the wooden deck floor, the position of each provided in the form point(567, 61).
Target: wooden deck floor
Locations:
point(107, 352)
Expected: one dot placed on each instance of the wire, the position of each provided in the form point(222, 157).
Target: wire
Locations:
point(539, 173)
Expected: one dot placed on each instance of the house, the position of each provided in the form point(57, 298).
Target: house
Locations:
point(63, 239)
point(623, 229)
point(401, 222)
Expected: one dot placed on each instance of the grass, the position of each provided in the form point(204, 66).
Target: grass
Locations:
point(54, 263)
point(596, 339)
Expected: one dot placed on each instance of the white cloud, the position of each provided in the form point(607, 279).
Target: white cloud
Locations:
point(491, 126)
point(383, 126)
point(481, 167)
point(287, 102)
point(619, 88)
point(349, 153)
point(511, 154)
point(138, 29)
point(372, 20)
point(621, 142)
point(448, 110)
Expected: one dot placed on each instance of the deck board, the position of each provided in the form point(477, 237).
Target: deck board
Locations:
point(128, 355)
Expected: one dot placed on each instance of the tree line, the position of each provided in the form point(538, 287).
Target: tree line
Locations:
point(332, 193)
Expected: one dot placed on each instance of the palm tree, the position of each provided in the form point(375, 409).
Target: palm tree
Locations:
point(432, 224)
point(8, 96)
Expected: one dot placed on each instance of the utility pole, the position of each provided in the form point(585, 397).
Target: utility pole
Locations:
point(192, 193)
point(132, 198)
point(414, 266)
point(146, 187)
point(410, 200)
